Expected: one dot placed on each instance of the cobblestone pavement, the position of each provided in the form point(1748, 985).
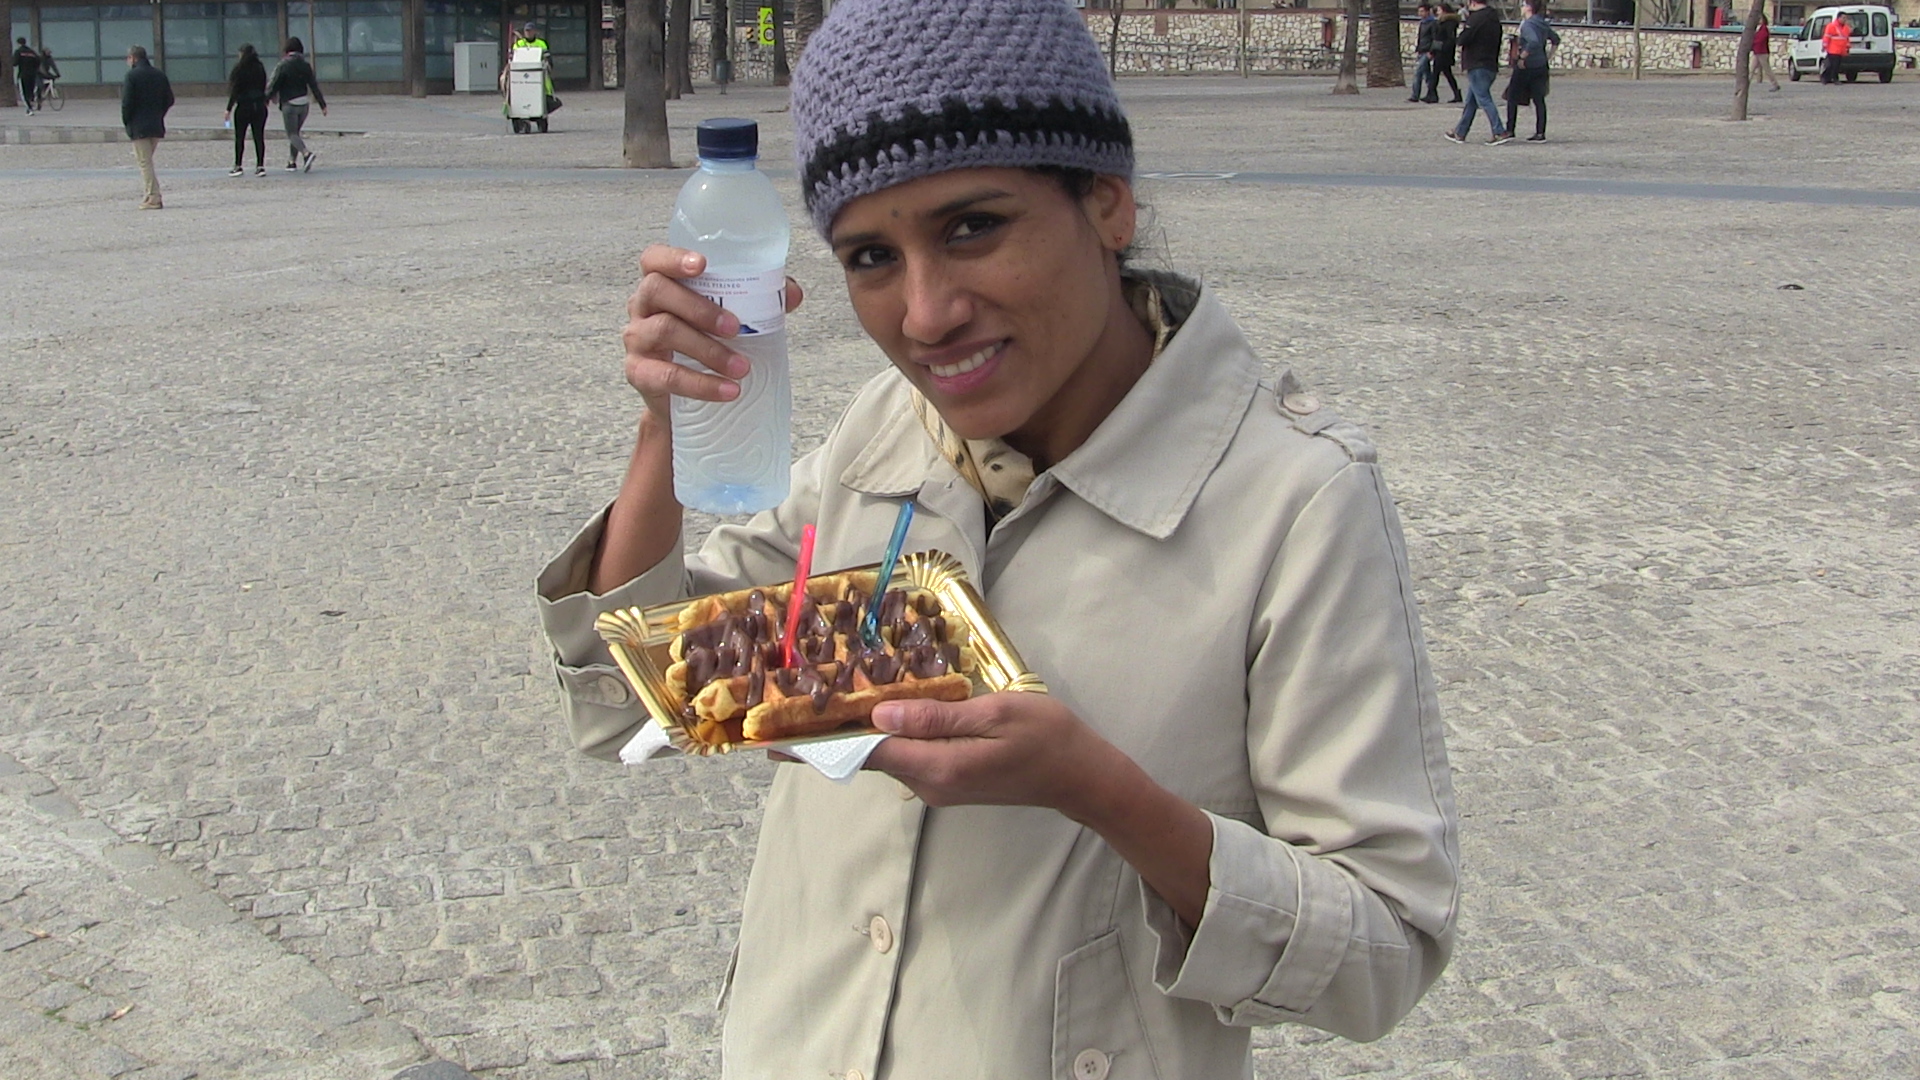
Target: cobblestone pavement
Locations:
point(279, 464)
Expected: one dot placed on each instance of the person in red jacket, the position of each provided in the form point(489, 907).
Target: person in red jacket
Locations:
point(1760, 61)
point(1836, 41)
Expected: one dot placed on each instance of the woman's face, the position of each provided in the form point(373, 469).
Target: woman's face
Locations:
point(989, 288)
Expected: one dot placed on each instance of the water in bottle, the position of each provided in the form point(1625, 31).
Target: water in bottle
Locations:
point(732, 457)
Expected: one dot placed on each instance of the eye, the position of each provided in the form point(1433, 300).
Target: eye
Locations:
point(870, 257)
point(972, 226)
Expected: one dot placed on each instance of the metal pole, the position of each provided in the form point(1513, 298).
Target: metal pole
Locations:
point(1636, 37)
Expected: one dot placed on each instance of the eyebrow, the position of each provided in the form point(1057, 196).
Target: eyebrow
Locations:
point(945, 209)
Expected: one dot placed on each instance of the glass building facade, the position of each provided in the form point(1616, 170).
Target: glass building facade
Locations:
point(361, 42)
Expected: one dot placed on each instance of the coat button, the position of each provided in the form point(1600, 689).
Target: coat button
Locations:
point(1301, 404)
point(856, 1074)
point(882, 935)
point(1091, 1065)
point(610, 691)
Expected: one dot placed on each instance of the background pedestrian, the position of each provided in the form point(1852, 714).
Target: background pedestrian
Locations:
point(1535, 44)
point(26, 71)
point(1446, 41)
point(247, 108)
point(145, 97)
point(1423, 48)
point(296, 88)
point(1760, 61)
point(1480, 55)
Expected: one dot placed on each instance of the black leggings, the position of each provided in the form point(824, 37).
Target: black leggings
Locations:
point(1433, 85)
point(250, 118)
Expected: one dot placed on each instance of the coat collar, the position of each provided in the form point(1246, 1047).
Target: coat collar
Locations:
point(1144, 465)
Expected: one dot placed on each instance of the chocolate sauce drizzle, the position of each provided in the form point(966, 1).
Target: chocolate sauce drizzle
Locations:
point(752, 644)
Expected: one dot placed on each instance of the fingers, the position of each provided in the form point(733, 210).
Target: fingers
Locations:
point(795, 294)
point(925, 719)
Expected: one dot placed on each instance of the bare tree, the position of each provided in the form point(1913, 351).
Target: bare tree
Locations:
point(1346, 82)
point(643, 138)
point(782, 73)
point(1118, 8)
point(1383, 45)
point(1743, 60)
point(807, 16)
point(679, 48)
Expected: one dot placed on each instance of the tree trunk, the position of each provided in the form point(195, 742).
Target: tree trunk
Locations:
point(7, 81)
point(1113, 37)
point(782, 74)
point(1383, 45)
point(720, 39)
point(644, 136)
point(1346, 83)
point(1742, 60)
point(620, 14)
point(807, 16)
point(679, 48)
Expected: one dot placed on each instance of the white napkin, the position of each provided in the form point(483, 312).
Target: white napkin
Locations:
point(837, 759)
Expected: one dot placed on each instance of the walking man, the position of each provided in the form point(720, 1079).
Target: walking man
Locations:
point(1760, 61)
point(294, 86)
point(1423, 48)
point(1528, 84)
point(26, 69)
point(1480, 55)
point(144, 100)
point(1446, 37)
point(1836, 41)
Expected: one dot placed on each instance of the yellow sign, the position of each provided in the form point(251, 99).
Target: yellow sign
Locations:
point(766, 26)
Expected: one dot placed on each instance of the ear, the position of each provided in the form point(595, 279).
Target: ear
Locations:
point(1112, 211)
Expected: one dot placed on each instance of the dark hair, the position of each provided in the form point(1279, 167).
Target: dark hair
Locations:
point(294, 45)
point(1448, 8)
point(138, 52)
point(248, 52)
point(1078, 184)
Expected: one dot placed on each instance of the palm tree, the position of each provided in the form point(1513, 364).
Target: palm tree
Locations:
point(782, 73)
point(643, 137)
point(1383, 45)
point(720, 27)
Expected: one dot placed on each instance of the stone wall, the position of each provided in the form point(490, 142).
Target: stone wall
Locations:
point(1274, 42)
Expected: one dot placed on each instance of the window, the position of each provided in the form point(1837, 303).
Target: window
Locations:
point(90, 43)
point(354, 40)
point(1880, 28)
point(449, 21)
point(565, 28)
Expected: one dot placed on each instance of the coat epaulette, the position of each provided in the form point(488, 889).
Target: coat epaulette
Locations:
point(1305, 412)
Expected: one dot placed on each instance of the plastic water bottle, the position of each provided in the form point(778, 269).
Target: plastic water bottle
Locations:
point(732, 457)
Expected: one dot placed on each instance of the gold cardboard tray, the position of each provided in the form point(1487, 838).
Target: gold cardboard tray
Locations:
point(639, 640)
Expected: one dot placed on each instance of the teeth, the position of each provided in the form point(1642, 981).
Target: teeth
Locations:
point(948, 371)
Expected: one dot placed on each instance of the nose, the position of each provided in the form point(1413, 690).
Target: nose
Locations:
point(936, 305)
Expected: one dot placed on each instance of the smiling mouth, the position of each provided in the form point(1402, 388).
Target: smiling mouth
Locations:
point(961, 367)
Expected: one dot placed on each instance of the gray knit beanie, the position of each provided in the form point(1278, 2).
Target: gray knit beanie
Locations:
point(889, 91)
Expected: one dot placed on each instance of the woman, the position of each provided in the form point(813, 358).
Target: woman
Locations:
point(247, 110)
point(1233, 808)
point(294, 85)
point(1533, 48)
point(1760, 59)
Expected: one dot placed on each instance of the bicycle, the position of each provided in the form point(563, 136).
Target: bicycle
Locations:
point(50, 95)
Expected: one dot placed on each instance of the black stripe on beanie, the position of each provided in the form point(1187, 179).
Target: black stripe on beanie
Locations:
point(967, 125)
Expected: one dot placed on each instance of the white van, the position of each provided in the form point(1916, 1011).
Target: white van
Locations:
point(1872, 42)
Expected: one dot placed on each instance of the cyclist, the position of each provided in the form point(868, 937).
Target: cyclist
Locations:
point(49, 74)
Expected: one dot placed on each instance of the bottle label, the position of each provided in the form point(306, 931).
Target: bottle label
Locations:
point(759, 301)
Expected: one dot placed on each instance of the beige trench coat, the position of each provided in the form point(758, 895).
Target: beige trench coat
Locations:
point(1216, 582)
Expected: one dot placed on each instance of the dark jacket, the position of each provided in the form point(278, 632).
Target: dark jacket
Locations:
point(1535, 35)
point(247, 85)
point(1480, 40)
point(1424, 42)
point(144, 100)
point(26, 65)
point(293, 79)
point(1446, 36)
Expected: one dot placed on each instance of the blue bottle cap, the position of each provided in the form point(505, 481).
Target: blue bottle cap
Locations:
point(728, 138)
